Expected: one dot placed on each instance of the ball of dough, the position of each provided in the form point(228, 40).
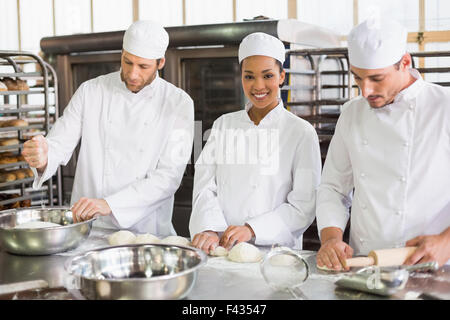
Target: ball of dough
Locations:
point(146, 238)
point(244, 252)
point(219, 251)
point(176, 240)
point(121, 237)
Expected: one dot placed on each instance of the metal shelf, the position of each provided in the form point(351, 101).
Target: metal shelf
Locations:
point(39, 117)
point(15, 182)
point(14, 164)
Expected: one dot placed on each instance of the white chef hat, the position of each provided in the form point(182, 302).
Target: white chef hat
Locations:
point(261, 44)
point(146, 39)
point(376, 43)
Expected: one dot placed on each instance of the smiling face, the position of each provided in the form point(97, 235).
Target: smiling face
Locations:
point(138, 72)
point(261, 78)
point(380, 86)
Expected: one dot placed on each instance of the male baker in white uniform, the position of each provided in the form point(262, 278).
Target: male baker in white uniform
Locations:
point(390, 153)
point(136, 134)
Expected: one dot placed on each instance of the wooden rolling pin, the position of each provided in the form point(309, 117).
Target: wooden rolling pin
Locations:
point(382, 257)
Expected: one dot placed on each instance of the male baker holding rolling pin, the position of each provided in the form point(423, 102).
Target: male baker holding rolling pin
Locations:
point(389, 158)
point(136, 133)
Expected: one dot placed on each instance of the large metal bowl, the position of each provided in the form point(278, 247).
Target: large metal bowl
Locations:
point(41, 241)
point(137, 272)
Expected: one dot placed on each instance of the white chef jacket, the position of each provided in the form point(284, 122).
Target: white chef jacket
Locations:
point(134, 150)
point(265, 176)
point(397, 159)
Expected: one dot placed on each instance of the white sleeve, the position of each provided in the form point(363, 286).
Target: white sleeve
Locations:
point(293, 217)
point(149, 193)
point(206, 211)
point(63, 137)
point(334, 195)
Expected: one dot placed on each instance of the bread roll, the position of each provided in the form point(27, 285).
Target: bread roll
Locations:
point(3, 87)
point(14, 123)
point(8, 160)
point(15, 85)
point(9, 142)
point(6, 177)
point(20, 174)
point(10, 83)
point(28, 172)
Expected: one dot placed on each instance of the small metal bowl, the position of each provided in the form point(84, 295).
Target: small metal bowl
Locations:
point(137, 272)
point(41, 241)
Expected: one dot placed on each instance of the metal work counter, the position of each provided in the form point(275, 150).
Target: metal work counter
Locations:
point(216, 280)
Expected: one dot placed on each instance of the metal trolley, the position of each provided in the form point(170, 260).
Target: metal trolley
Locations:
point(42, 88)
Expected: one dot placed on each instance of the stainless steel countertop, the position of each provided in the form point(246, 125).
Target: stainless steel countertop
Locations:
point(216, 282)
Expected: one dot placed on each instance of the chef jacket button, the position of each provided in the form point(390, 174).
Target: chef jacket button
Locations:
point(403, 179)
point(254, 186)
point(363, 175)
point(365, 142)
point(361, 240)
point(406, 144)
point(411, 107)
point(399, 212)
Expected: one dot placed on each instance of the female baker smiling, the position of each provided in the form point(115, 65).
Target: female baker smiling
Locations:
point(257, 175)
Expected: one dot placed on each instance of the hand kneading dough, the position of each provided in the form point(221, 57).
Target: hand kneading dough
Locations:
point(121, 237)
point(176, 240)
point(244, 252)
point(146, 238)
point(219, 251)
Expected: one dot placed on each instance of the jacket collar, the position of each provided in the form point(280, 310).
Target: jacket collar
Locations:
point(270, 118)
point(147, 91)
point(411, 91)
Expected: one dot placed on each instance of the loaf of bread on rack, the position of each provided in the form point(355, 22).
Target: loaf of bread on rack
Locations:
point(22, 173)
point(17, 204)
point(10, 157)
point(9, 142)
point(14, 123)
point(16, 85)
point(3, 87)
point(7, 176)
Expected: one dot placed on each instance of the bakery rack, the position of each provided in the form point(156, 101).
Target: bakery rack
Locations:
point(36, 103)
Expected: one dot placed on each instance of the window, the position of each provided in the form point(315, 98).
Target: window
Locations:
point(112, 15)
point(248, 9)
point(318, 12)
point(9, 39)
point(208, 12)
point(72, 16)
point(36, 22)
point(167, 12)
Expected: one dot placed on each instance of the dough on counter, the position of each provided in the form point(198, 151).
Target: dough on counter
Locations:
point(121, 237)
point(146, 238)
point(37, 225)
point(244, 252)
point(176, 240)
point(219, 251)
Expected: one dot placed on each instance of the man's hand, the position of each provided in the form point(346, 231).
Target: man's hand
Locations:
point(235, 234)
point(206, 241)
point(35, 152)
point(85, 209)
point(333, 251)
point(430, 248)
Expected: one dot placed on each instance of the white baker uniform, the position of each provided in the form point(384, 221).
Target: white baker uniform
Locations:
point(263, 175)
point(134, 150)
point(397, 160)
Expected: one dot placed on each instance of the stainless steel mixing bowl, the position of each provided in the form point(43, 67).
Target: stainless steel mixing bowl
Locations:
point(137, 272)
point(41, 241)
